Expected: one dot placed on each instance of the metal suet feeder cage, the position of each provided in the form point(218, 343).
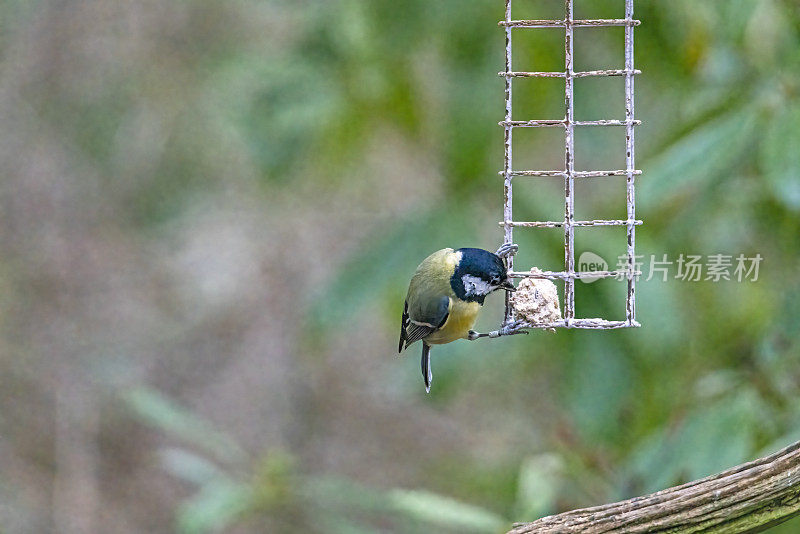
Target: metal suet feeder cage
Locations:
point(516, 319)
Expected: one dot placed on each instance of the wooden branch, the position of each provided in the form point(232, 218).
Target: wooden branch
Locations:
point(748, 498)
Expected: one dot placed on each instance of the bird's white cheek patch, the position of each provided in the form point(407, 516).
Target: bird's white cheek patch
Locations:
point(475, 286)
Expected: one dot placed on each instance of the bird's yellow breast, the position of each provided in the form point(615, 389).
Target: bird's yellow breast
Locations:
point(460, 321)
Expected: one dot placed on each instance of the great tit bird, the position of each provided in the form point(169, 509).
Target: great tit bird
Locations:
point(445, 295)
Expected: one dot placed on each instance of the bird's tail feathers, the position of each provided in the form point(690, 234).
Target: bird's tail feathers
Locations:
point(427, 370)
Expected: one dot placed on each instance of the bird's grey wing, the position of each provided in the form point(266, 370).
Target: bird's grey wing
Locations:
point(424, 318)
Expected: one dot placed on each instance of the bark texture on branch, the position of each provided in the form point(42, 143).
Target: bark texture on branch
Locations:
point(748, 498)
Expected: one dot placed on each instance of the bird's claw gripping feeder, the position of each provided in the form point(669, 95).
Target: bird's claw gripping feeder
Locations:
point(535, 304)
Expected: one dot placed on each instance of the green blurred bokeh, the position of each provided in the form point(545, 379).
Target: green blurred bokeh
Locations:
point(210, 211)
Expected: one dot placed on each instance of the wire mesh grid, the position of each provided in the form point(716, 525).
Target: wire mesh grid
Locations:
point(569, 274)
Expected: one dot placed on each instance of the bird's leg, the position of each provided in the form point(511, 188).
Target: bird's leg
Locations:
point(514, 327)
point(473, 335)
point(507, 249)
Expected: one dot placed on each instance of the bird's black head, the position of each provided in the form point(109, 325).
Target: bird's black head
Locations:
point(478, 273)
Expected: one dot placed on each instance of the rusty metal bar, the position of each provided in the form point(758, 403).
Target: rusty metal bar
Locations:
point(608, 123)
point(560, 224)
point(532, 124)
point(558, 74)
point(507, 139)
point(569, 165)
point(630, 164)
point(513, 74)
point(563, 275)
point(598, 324)
point(595, 174)
point(560, 23)
point(556, 122)
point(575, 174)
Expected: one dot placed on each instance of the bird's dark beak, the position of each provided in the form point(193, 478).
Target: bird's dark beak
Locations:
point(508, 285)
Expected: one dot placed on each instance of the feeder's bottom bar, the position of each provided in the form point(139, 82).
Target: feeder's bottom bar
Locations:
point(598, 324)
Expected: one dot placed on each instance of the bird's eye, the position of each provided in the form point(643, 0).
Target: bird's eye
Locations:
point(496, 281)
